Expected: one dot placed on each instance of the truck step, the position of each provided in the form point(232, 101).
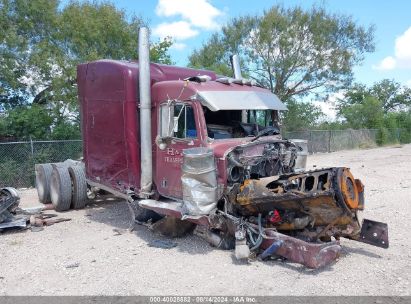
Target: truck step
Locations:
point(173, 208)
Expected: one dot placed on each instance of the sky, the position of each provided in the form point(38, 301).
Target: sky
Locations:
point(191, 22)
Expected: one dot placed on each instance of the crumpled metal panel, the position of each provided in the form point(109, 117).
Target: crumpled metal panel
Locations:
point(199, 181)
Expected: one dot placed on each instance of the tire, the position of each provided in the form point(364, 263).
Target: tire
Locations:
point(79, 190)
point(60, 188)
point(43, 175)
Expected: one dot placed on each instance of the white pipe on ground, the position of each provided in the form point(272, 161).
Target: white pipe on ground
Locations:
point(146, 156)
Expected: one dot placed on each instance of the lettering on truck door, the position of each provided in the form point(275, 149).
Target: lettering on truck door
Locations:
point(178, 129)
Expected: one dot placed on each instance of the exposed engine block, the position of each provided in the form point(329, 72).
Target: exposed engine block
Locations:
point(261, 161)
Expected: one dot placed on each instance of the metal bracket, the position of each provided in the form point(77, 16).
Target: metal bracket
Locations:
point(374, 233)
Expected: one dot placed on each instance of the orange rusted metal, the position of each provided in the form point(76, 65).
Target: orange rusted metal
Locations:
point(349, 188)
point(321, 200)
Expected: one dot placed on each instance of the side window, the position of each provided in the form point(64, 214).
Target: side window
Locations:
point(177, 120)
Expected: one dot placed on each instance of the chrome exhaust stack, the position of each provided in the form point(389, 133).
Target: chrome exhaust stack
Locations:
point(235, 64)
point(144, 83)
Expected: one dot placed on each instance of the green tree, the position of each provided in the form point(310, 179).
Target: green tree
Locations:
point(393, 96)
point(28, 122)
point(41, 45)
point(292, 51)
point(3, 127)
point(385, 106)
point(26, 27)
point(367, 114)
point(213, 56)
point(301, 115)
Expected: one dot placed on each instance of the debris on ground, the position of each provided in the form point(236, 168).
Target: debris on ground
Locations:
point(40, 220)
point(12, 216)
point(72, 265)
point(9, 202)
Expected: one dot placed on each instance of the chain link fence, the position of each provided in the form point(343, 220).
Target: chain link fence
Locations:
point(336, 140)
point(17, 159)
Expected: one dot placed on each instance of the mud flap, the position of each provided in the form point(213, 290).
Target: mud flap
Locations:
point(374, 233)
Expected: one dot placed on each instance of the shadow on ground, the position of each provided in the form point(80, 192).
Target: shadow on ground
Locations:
point(114, 211)
point(348, 250)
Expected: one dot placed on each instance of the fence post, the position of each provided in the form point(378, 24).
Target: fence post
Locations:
point(311, 141)
point(32, 147)
point(352, 139)
point(329, 141)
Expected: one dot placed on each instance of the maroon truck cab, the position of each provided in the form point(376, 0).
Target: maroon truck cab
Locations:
point(208, 114)
point(109, 106)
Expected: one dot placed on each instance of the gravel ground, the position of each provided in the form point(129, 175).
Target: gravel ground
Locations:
point(107, 260)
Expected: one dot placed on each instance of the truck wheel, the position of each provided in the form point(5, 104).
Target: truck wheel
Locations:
point(43, 175)
point(60, 188)
point(79, 190)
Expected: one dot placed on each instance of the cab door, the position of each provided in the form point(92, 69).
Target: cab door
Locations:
point(178, 130)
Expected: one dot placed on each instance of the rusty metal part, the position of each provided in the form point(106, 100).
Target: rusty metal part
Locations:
point(40, 220)
point(348, 188)
point(326, 196)
point(360, 188)
point(374, 233)
point(295, 224)
point(326, 228)
point(311, 255)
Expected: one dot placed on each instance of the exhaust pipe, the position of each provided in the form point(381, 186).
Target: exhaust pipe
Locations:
point(235, 64)
point(146, 161)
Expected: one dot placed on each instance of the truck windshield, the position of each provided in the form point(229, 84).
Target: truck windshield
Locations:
point(227, 123)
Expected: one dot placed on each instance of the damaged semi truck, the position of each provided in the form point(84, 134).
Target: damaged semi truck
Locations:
point(190, 145)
